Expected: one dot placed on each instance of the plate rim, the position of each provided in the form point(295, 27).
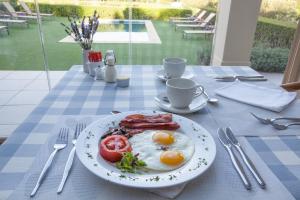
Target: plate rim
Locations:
point(214, 152)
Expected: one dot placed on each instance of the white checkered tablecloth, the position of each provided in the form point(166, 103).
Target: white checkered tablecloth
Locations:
point(79, 94)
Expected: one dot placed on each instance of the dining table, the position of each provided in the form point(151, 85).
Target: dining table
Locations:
point(78, 97)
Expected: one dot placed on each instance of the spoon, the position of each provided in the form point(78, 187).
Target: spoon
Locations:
point(210, 100)
point(283, 126)
point(272, 120)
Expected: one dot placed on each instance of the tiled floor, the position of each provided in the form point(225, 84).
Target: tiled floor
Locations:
point(20, 92)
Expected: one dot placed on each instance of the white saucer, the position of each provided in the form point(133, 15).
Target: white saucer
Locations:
point(198, 103)
point(161, 75)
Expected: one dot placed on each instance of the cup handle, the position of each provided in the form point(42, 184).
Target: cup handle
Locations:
point(199, 90)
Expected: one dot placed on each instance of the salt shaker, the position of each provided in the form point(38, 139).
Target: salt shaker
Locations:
point(110, 73)
point(98, 73)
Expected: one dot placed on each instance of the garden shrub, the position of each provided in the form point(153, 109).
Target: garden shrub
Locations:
point(156, 13)
point(112, 12)
point(269, 59)
point(203, 55)
point(262, 59)
point(285, 10)
point(59, 10)
point(274, 35)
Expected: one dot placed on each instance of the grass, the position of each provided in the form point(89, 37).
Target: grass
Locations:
point(21, 50)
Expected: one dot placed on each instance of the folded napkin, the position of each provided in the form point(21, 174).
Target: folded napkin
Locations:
point(169, 192)
point(270, 99)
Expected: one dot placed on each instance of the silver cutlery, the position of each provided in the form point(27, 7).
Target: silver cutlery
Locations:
point(61, 143)
point(284, 126)
point(245, 158)
point(237, 165)
point(230, 77)
point(210, 100)
point(78, 130)
point(272, 120)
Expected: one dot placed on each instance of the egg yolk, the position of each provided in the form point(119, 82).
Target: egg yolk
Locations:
point(163, 138)
point(171, 158)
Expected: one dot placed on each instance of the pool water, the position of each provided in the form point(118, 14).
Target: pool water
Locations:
point(122, 27)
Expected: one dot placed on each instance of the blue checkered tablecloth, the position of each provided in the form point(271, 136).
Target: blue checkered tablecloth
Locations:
point(79, 94)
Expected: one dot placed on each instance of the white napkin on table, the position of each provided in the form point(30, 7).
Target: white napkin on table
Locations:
point(270, 99)
point(169, 192)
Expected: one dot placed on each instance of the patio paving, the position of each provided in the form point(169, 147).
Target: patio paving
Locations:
point(21, 91)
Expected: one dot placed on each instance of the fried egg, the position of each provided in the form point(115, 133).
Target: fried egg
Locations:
point(162, 150)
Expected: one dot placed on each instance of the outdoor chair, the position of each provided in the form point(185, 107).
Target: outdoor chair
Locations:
point(29, 12)
point(293, 86)
point(171, 19)
point(8, 22)
point(15, 15)
point(207, 21)
point(206, 32)
point(198, 19)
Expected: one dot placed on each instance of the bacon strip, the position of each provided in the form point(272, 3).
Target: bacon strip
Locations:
point(151, 126)
point(138, 118)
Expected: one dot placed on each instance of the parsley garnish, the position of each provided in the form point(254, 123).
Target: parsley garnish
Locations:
point(130, 163)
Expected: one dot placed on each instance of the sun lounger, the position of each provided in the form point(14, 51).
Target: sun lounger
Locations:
point(4, 28)
point(185, 18)
point(198, 19)
point(8, 22)
point(187, 33)
point(207, 21)
point(15, 15)
point(29, 12)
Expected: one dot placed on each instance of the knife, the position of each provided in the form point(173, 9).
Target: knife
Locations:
point(240, 79)
point(237, 165)
point(246, 159)
point(230, 77)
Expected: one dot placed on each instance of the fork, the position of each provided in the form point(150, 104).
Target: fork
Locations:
point(283, 126)
point(61, 143)
point(78, 130)
point(272, 120)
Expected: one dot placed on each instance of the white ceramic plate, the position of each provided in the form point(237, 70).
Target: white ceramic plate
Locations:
point(203, 157)
point(161, 75)
point(197, 104)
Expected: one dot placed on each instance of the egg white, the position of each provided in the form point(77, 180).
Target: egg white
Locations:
point(150, 152)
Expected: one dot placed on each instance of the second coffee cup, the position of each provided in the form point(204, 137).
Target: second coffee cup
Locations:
point(174, 67)
point(181, 91)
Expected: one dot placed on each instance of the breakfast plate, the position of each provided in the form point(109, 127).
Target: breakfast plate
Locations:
point(197, 104)
point(161, 75)
point(199, 151)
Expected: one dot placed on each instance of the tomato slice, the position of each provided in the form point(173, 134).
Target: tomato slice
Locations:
point(112, 147)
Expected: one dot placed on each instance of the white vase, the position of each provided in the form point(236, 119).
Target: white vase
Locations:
point(85, 60)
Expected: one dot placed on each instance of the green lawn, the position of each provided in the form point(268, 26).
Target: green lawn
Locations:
point(21, 50)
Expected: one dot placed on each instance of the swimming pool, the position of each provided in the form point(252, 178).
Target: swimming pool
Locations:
point(117, 31)
point(122, 26)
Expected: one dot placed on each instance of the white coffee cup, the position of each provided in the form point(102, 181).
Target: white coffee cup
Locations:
point(181, 91)
point(174, 67)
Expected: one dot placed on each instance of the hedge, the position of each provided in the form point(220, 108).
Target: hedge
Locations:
point(274, 34)
point(271, 32)
point(112, 12)
point(262, 59)
point(269, 59)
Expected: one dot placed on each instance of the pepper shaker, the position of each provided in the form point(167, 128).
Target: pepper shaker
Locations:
point(110, 73)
